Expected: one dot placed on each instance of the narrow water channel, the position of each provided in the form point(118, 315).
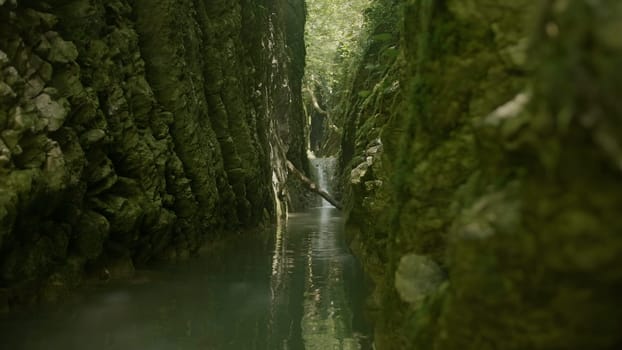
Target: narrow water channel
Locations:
point(295, 287)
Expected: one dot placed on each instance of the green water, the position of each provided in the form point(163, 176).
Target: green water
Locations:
point(296, 287)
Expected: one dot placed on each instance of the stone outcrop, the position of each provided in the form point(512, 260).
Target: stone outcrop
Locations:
point(489, 216)
point(133, 130)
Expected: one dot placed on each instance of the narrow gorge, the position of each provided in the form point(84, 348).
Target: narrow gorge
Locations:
point(152, 151)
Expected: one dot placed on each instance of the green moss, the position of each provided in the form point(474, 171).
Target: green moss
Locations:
point(140, 128)
point(516, 203)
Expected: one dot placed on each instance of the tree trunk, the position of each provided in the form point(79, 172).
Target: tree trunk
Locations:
point(312, 186)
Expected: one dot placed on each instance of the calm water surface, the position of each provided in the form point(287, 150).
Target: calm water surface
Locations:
point(296, 288)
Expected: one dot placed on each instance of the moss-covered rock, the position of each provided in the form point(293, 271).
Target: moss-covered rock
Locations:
point(503, 160)
point(130, 129)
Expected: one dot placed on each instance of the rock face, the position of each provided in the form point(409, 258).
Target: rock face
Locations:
point(133, 130)
point(500, 169)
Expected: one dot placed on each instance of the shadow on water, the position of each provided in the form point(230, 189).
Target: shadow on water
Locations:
point(296, 288)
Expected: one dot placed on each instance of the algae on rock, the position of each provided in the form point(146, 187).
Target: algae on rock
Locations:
point(139, 129)
point(500, 165)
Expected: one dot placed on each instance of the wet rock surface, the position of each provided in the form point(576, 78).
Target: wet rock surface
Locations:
point(139, 129)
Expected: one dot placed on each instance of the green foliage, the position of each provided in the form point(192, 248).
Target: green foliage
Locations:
point(332, 38)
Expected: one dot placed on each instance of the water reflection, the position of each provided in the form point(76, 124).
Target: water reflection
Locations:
point(327, 322)
point(296, 288)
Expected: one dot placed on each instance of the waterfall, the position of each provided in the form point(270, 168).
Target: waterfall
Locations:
point(323, 171)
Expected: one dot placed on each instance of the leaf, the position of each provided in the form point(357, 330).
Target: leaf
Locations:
point(391, 52)
point(364, 93)
point(382, 37)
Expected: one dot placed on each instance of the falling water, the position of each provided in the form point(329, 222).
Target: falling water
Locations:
point(324, 171)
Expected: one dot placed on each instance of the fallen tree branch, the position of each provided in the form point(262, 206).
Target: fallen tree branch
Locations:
point(315, 103)
point(312, 186)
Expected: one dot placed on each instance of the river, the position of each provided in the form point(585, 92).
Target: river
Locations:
point(293, 287)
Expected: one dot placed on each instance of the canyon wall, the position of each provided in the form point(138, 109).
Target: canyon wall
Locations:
point(134, 130)
point(483, 174)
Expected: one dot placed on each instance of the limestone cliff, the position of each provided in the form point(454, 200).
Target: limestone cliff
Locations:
point(487, 213)
point(133, 130)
